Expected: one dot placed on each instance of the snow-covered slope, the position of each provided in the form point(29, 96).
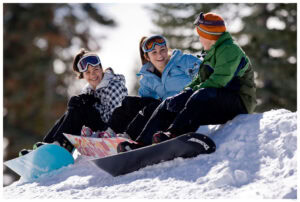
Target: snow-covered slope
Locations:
point(256, 158)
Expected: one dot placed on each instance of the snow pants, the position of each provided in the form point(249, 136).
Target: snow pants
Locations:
point(188, 110)
point(71, 122)
point(132, 115)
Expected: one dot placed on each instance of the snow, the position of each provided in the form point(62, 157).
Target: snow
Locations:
point(256, 158)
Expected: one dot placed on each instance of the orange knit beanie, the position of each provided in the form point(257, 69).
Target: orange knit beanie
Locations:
point(210, 25)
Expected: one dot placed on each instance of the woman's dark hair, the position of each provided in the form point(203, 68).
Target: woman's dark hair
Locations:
point(142, 54)
point(76, 60)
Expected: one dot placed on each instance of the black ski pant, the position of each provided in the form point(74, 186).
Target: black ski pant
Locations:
point(186, 111)
point(132, 115)
point(72, 121)
point(136, 126)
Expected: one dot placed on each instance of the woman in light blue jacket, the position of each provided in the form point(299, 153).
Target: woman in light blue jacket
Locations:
point(177, 73)
point(163, 74)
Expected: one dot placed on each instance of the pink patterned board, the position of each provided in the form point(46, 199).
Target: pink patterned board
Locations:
point(96, 147)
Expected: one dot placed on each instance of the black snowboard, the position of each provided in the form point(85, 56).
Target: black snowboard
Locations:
point(186, 146)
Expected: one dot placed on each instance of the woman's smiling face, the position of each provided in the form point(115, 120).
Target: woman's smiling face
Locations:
point(93, 75)
point(159, 57)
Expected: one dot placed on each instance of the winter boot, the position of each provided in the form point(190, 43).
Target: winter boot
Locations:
point(35, 146)
point(38, 144)
point(65, 144)
point(86, 131)
point(111, 132)
point(127, 146)
point(161, 136)
point(124, 135)
point(24, 152)
point(104, 134)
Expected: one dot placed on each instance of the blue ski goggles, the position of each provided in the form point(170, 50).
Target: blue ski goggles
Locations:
point(150, 43)
point(85, 61)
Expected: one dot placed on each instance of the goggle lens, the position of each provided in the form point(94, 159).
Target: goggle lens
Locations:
point(150, 43)
point(85, 61)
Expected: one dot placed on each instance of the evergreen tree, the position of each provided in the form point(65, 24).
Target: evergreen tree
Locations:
point(272, 35)
point(37, 39)
point(40, 42)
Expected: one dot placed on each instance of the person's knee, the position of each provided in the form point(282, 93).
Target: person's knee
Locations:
point(177, 102)
point(203, 98)
point(205, 94)
point(74, 102)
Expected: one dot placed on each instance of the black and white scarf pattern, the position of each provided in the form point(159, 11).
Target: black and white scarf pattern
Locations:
point(111, 91)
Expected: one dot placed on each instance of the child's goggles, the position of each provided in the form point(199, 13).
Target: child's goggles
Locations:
point(150, 43)
point(85, 61)
point(200, 21)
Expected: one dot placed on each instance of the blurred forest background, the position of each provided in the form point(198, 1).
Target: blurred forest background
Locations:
point(40, 41)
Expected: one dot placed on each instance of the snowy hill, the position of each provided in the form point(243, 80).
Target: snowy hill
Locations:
point(256, 158)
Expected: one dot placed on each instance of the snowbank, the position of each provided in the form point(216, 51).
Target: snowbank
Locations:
point(256, 158)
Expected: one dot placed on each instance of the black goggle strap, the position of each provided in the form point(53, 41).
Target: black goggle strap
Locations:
point(200, 20)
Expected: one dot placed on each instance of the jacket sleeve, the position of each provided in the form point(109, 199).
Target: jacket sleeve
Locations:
point(190, 65)
point(145, 91)
point(194, 84)
point(227, 61)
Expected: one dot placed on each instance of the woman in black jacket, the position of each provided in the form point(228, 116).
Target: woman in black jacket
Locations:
point(93, 108)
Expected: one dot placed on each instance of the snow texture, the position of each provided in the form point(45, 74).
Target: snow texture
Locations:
point(256, 158)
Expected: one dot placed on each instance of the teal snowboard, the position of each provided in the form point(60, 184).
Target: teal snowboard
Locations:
point(43, 160)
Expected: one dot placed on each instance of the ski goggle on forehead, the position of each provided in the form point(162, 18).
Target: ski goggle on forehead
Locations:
point(150, 43)
point(85, 61)
point(200, 21)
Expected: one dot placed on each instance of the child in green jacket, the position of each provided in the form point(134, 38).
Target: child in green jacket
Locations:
point(223, 88)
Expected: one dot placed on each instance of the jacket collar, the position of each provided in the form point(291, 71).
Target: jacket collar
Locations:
point(106, 79)
point(225, 36)
point(174, 60)
point(148, 67)
point(108, 76)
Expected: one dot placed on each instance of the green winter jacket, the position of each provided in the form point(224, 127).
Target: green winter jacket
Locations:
point(227, 66)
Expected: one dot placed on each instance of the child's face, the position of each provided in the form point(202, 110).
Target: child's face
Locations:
point(206, 43)
point(93, 75)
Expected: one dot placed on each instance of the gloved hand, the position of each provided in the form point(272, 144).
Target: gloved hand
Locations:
point(88, 99)
point(83, 99)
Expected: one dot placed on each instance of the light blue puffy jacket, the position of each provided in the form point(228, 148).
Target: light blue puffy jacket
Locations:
point(179, 72)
